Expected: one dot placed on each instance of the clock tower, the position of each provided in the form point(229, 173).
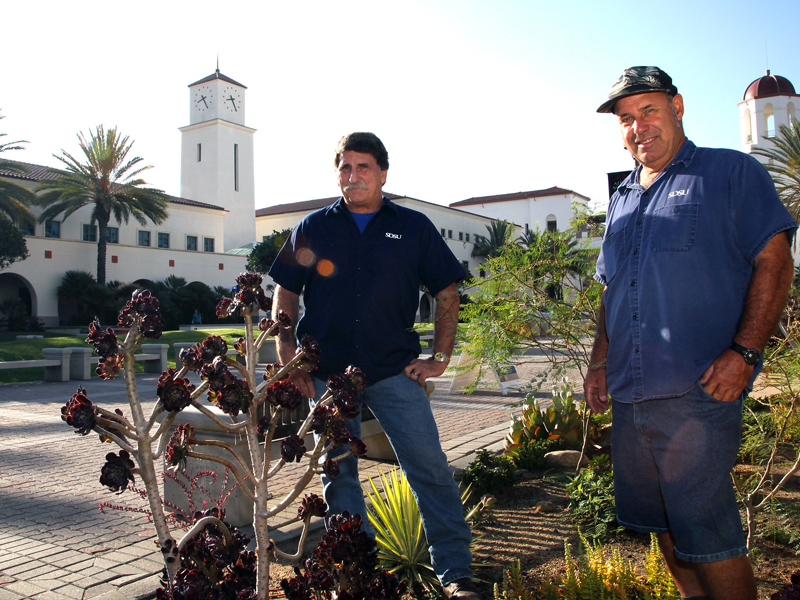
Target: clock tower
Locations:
point(217, 156)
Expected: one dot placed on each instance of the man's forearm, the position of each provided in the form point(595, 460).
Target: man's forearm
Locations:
point(597, 359)
point(446, 324)
point(285, 301)
point(766, 294)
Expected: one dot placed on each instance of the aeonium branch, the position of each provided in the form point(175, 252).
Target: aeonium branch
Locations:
point(294, 493)
point(117, 418)
point(115, 438)
point(230, 466)
point(200, 525)
point(231, 450)
point(157, 410)
point(199, 390)
point(164, 440)
point(300, 544)
point(217, 421)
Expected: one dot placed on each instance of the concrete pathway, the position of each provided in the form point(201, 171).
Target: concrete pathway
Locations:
point(54, 542)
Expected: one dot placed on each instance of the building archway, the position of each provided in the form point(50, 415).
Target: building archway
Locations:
point(18, 301)
point(425, 309)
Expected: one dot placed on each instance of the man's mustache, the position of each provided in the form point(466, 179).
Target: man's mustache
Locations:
point(359, 185)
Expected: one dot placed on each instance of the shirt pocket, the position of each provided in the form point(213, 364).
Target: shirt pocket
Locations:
point(674, 228)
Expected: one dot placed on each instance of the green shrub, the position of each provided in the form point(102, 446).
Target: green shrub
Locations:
point(591, 499)
point(530, 456)
point(489, 474)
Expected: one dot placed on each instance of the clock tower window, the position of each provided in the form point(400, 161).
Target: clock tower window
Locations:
point(236, 167)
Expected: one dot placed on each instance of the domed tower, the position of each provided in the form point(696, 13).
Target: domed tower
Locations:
point(769, 102)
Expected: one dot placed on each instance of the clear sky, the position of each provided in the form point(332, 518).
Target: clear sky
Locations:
point(471, 97)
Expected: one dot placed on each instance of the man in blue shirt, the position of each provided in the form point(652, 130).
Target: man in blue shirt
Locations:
point(358, 265)
point(696, 261)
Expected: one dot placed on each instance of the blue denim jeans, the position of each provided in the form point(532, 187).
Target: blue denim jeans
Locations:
point(672, 464)
point(404, 412)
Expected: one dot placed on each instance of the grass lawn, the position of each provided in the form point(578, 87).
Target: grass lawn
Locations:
point(13, 349)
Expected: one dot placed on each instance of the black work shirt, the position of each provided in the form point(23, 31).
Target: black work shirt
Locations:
point(361, 290)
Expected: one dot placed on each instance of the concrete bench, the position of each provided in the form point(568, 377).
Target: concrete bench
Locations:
point(153, 356)
point(56, 363)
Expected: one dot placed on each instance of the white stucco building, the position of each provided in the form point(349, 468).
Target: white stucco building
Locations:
point(213, 218)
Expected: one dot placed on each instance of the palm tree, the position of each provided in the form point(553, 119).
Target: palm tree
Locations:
point(492, 245)
point(785, 165)
point(108, 181)
point(14, 199)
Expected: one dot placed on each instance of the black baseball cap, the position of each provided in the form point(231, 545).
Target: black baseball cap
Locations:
point(638, 80)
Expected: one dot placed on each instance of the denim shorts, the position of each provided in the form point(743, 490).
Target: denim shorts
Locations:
point(672, 462)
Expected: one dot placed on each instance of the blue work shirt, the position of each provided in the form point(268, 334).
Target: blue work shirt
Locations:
point(361, 290)
point(677, 259)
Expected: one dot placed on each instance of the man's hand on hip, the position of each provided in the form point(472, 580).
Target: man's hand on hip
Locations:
point(419, 370)
point(302, 379)
point(595, 389)
point(727, 376)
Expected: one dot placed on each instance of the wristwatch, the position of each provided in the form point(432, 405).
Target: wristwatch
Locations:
point(751, 355)
point(441, 357)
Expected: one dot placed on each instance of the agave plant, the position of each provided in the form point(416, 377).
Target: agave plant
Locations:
point(561, 421)
point(402, 546)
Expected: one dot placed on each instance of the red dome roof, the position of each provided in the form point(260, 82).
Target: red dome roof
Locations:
point(769, 85)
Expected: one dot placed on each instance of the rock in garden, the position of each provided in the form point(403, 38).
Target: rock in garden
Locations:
point(566, 459)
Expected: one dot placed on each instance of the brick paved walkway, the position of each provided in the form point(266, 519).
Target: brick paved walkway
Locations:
point(54, 542)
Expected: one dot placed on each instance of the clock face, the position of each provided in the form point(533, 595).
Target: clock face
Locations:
point(232, 99)
point(203, 98)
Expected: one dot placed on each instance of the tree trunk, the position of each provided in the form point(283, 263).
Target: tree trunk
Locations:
point(102, 243)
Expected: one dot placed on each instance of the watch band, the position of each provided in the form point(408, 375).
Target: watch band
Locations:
point(750, 355)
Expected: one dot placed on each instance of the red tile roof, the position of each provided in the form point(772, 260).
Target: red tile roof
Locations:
point(552, 191)
point(38, 172)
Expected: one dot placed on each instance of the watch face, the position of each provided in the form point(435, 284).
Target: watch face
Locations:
point(751, 356)
point(203, 98)
point(231, 99)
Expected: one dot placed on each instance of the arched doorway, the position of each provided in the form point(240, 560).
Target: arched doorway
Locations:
point(425, 314)
point(18, 305)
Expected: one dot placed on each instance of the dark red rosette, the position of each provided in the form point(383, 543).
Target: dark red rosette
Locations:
point(262, 425)
point(249, 280)
point(337, 430)
point(357, 446)
point(356, 376)
point(212, 347)
point(345, 404)
point(292, 449)
point(192, 358)
point(116, 473)
point(272, 370)
point(78, 412)
point(284, 394)
point(312, 506)
point(110, 367)
point(284, 320)
point(319, 418)
point(232, 397)
point(240, 346)
point(223, 307)
point(175, 394)
point(179, 445)
point(309, 348)
point(104, 340)
point(264, 303)
point(329, 467)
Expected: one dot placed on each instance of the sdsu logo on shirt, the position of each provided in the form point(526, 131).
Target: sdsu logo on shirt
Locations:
point(394, 236)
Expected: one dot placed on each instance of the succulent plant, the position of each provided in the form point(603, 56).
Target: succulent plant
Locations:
point(78, 412)
point(292, 449)
point(175, 394)
point(284, 394)
point(312, 506)
point(179, 445)
point(103, 340)
point(116, 473)
point(560, 421)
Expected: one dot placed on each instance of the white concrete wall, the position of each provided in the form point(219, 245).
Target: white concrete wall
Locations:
point(43, 275)
point(532, 213)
